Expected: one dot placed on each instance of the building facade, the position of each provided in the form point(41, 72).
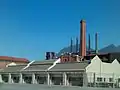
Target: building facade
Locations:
point(54, 72)
point(102, 73)
point(5, 60)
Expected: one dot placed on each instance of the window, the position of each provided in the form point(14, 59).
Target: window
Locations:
point(99, 79)
point(104, 79)
point(110, 79)
point(65, 60)
point(118, 79)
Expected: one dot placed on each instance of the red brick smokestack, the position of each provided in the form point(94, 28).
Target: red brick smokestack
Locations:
point(83, 38)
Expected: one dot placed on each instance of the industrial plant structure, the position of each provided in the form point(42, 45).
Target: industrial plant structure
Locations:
point(54, 72)
point(80, 68)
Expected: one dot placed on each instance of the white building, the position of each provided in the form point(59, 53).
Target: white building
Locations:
point(101, 72)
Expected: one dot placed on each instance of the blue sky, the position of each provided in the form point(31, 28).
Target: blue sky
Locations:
point(29, 28)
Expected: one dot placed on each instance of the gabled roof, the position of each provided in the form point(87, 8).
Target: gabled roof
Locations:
point(14, 59)
point(11, 64)
point(15, 69)
point(42, 67)
point(35, 66)
point(115, 62)
point(96, 58)
point(98, 66)
point(51, 61)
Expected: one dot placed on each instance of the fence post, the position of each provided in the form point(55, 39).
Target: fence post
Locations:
point(91, 79)
point(48, 79)
point(9, 78)
point(113, 81)
point(64, 79)
point(94, 79)
point(85, 81)
point(1, 81)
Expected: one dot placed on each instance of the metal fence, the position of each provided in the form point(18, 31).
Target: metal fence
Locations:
point(103, 80)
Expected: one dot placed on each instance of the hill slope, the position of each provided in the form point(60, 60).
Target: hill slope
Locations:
point(108, 49)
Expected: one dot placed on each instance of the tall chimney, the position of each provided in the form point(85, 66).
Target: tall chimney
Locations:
point(71, 46)
point(96, 43)
point(76, 44)
point(83, 38)
point(89, 44)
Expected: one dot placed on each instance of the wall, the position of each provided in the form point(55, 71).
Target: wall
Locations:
point(102, 70)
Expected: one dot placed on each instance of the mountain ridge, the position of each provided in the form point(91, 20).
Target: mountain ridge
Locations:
point(107, 49)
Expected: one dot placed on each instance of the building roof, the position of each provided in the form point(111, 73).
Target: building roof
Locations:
point(16, 69)
point(14, 59)
point(51, 61)
point(69, 66)
point(2, 66)
point(43, 67)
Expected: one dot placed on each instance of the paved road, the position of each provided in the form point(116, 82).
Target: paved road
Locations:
point(42, 87)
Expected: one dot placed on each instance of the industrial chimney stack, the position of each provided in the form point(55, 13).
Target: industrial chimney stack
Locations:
point(83, 38)
point(71, 46)
point(77, 50)
point(89, 45)
point(96, 43)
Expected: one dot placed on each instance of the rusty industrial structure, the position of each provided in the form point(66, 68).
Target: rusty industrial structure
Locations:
point(83, 38)
point(80, 52)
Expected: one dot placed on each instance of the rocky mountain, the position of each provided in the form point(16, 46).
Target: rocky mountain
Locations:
point(108, 49)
